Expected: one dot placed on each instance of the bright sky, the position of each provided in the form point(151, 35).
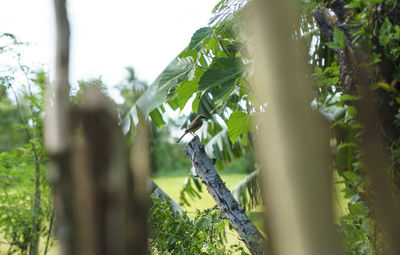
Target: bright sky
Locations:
point(108, 35)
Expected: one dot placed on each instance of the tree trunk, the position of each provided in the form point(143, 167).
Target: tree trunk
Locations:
point(223, 197)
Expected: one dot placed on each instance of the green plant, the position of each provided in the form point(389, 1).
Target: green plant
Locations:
point(25, 202)
point(173, 233)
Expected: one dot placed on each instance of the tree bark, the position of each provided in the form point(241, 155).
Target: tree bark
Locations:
point(223, 197)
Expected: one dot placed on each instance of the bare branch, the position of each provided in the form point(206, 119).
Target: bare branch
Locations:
point(223, 197)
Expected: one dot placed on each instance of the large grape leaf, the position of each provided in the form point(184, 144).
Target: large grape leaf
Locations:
point(187, 88)
point(156, 93)
point(238, 124)
point(198, 38)
point(220, 71)
point(157, 118)
point(175, 74)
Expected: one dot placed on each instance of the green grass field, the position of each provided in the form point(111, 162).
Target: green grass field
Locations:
point(172, 185)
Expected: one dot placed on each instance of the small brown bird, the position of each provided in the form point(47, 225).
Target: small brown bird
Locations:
point(193, 126)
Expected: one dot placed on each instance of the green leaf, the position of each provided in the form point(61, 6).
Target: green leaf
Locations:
point(247, 191)
point(156, 93)
point(184, 92)
point(175, 74)
point(189, 53)
point(347, 97)
point(199, 36)
point(352, 5)
point(352, 111)
point(339, 40)
point(357, 209)
point(348, 192)
point(206, 105)
point(173, 103)
point(385, 33)
point(196, 101)
point(238, 124)
point(203, 223)
point(376, 58)
point(187, 88)
point(351, 176)
point(220, 71)
point(226, 87)
point(157, 118)
point(213, 45)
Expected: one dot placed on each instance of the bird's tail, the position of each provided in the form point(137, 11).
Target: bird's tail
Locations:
point(181, 137)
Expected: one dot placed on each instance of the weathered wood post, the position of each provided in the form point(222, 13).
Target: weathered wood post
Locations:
point(99, 207)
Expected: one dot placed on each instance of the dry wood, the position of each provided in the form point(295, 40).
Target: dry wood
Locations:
point(223, 197)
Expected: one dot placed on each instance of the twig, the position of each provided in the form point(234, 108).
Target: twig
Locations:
point(49, 233)
point(11, 245)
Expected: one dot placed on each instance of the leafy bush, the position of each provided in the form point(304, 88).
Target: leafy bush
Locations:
point(173, 233)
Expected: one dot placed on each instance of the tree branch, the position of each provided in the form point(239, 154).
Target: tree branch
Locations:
point(223, 197)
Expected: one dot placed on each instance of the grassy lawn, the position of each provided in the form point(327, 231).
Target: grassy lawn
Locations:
point(172, 185)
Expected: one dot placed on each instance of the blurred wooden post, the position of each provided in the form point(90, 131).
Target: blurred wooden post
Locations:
point(293, 146)
point(109, 217)
point(57, 135)
point(98, 207)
